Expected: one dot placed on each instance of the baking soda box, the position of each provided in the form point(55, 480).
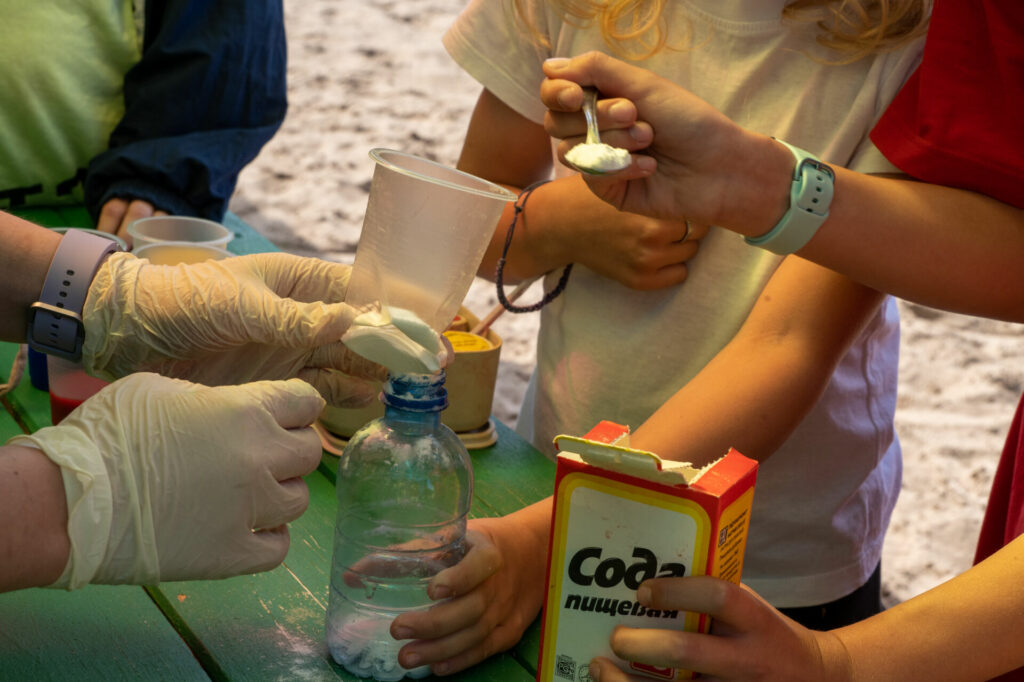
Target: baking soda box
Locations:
point(622, 516)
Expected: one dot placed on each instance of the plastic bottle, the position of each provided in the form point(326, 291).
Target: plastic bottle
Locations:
point(404, 487)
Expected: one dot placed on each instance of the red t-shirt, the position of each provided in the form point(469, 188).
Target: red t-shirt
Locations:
point(959, 121)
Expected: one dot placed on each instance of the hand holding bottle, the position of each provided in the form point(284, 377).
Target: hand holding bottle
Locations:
point(404, 486)
point(490, 597)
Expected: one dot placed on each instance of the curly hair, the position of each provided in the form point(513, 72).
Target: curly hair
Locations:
point(636, 29)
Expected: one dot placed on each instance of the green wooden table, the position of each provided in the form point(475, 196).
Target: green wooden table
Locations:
point(268, 626)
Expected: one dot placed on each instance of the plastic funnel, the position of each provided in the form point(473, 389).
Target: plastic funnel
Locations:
point(424, 234)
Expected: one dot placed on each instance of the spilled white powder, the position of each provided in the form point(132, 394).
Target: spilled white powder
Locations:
point(602, 157)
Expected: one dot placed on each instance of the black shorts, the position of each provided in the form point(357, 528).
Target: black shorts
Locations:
point(862, 603)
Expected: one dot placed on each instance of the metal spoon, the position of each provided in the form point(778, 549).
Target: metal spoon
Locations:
point(593, 135)
point(590, 113)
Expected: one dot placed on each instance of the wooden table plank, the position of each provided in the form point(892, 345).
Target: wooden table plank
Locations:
point(97, 633)
point(246, 239)
point(56, 216)
point(8, 426)
point(271, 625)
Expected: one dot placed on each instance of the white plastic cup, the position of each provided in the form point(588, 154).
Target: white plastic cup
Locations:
point(176, 228)
point(424, 234)
point(174, 253)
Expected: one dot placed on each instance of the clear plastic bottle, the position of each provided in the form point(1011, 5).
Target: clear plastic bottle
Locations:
point(404, 487)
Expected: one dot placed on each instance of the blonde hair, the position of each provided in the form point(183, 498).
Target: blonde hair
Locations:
point(636, 29)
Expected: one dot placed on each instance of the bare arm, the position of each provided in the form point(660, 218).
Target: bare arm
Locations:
point(503, 147)
point(943, 247)
point(24, 260)
point(563, 221)
point(965, 630)
point(772, 372)
point(34, 543)
point(935, 245)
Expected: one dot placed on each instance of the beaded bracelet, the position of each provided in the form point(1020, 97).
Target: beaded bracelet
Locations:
point(518, 208)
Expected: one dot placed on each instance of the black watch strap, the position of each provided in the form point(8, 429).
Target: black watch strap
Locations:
point(55, 320)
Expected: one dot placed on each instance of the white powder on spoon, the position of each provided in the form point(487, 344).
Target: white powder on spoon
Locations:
point(598, 157)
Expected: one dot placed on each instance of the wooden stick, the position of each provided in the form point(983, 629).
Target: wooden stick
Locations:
point(485, 323)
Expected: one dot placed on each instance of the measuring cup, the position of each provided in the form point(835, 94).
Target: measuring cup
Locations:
point(424, 235)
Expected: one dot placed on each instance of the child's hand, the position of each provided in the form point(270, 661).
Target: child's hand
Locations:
point(117, 214)
point(689, 160)
point(749, 640)
point(495, 593)
point(634, 250)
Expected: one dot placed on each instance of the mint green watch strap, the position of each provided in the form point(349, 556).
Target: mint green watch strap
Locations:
point(809, 199)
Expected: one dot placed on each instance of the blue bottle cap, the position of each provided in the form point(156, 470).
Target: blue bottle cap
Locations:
point(416, 392)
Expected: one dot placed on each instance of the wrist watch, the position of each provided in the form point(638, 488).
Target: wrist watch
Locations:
point(809, 199)
point(55, 320)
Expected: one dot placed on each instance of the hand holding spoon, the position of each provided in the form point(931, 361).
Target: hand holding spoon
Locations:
point(594, 156)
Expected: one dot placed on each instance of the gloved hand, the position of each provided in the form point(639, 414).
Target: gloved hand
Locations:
point(262, 316)
point(168, 480)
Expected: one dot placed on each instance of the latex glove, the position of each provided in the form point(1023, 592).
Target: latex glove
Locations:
point(169, 480)
point(262, 316)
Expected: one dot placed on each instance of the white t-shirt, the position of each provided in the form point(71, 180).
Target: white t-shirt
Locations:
point(823, 500)
point(61, 91)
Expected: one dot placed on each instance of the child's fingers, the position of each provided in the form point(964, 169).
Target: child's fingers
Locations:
point(481, 562)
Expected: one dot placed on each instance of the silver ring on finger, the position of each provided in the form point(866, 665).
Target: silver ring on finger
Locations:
point(686, 234)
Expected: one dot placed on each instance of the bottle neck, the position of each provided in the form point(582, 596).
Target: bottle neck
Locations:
point(415, 393)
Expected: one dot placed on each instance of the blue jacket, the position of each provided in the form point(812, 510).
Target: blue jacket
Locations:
point(208, 93)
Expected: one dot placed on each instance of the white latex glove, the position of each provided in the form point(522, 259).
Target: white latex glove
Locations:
point(262, 316)
point(169, 480)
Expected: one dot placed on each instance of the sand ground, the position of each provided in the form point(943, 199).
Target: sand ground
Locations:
point(373, 73)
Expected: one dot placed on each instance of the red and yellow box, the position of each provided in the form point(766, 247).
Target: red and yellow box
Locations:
point(622, 516)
